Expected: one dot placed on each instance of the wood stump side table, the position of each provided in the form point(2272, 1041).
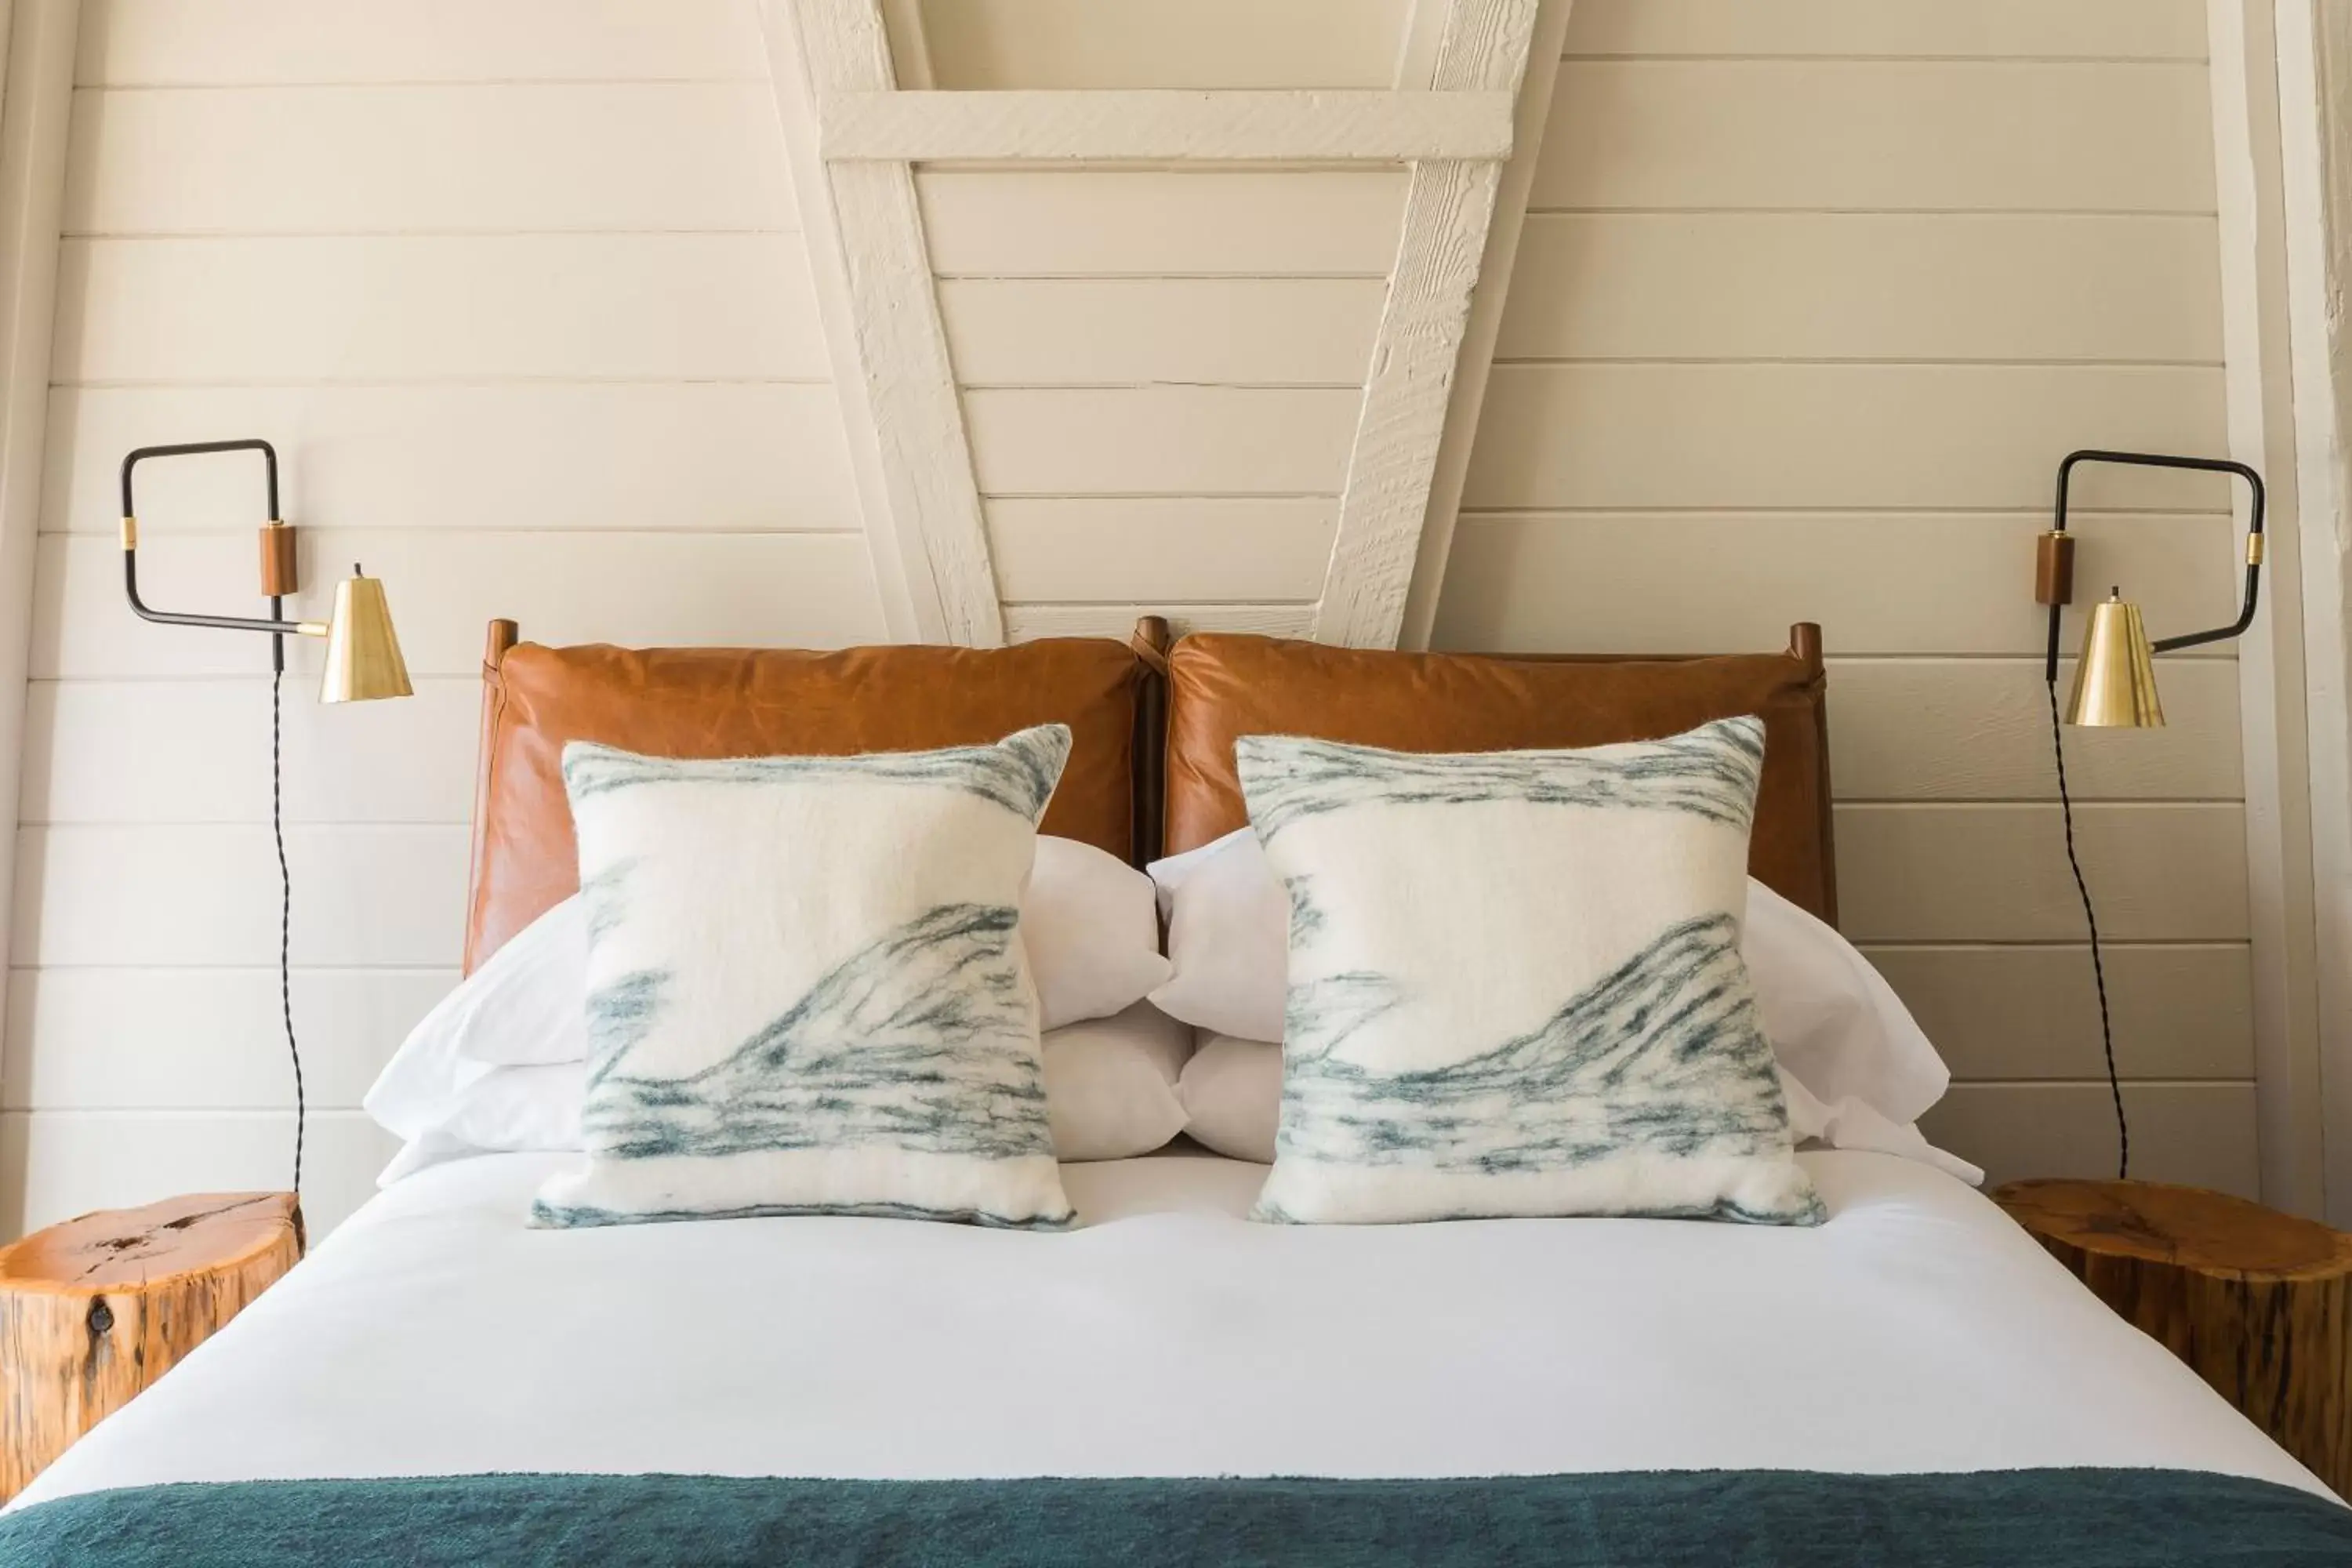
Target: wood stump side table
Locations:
point(2258, 1302)
point(95, 1308)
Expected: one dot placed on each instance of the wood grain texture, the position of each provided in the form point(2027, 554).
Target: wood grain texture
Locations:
point(2258, 1302)
point(1909, 135)
point(1448, 208)
point(993, 45)
point(1208, 222)
point(93, 1311)
point(1164, 125)
point(417, 157)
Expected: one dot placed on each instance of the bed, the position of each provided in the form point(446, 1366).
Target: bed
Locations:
point(1914, 1380)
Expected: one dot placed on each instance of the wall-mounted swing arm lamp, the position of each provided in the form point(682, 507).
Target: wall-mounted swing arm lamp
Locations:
point(362, 663)
point(2115, 680)
point(363, 659)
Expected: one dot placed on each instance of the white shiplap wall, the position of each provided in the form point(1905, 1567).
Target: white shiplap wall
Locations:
point(515, 287)
point(1810, 301)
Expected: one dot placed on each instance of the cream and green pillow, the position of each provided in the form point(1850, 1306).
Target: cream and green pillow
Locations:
point(1516, 986)
point(805, 990)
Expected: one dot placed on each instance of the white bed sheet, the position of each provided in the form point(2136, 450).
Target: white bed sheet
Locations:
point(1917, 1330)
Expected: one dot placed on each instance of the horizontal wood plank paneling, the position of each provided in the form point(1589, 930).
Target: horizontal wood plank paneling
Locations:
point(219, 43)
point(556, 457)
point(58, 1163)
point(2008, 1012)
point(979, 45)
point(1903, 135)
point(1161, 222)
point(1947, 873)
point(1167, 440)
point(1024, 621)
point(1097, 550)
point(1924, 582)
point(731, 589)
point(182, 896)
point(2201, 1135)
point(1291, 332)
point(91, 748)
point(1870, 286)
point(1934, 729)
point(346, 160)
point(1757, 436)
point(1979, 29)
point(206, 1038)
point(540, 307)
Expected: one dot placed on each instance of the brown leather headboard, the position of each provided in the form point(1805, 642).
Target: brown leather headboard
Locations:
point(734, 702)
point(1223, 686)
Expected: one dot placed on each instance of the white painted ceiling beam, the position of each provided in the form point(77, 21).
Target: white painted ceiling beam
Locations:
point(854, 135)
point(1324, 127)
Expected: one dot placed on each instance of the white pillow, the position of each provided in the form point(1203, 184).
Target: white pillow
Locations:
point(1515, 984)
point(1834, 1023)
point(1110, 1084)
point(1228, 938)
point(1090, 924)
point(1110, 1094)
point(1232, 1090)
point(505, 1111)
point(1087, 923)
point(525, 1006)
point(805, 995)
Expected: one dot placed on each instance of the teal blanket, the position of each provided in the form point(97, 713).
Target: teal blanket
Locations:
point(1744, 1518)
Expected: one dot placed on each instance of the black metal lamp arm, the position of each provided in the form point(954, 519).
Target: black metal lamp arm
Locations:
point(2062, 590)
point(273, 625)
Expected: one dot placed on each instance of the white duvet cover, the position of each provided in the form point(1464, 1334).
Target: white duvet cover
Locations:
point(1917, 1330)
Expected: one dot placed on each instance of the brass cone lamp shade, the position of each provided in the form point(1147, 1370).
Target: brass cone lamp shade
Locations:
point(363, 660)
point(2114, 681)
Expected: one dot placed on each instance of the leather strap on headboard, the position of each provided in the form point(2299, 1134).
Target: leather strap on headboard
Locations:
point(736, 702)
point(1224, 686)
point(1150, 640)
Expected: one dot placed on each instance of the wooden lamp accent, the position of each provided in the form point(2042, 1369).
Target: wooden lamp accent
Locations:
point(2259, 1303)
point(94, 1309)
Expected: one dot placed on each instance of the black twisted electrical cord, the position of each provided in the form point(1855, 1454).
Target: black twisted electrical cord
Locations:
point(2090, 919)
point(285, 906)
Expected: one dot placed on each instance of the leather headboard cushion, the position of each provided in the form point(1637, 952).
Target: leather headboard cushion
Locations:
point(1224, 686)
point(730, 702)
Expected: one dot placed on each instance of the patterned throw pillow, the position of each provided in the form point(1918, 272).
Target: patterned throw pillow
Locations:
point(805, 991)
point(1516, 986)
